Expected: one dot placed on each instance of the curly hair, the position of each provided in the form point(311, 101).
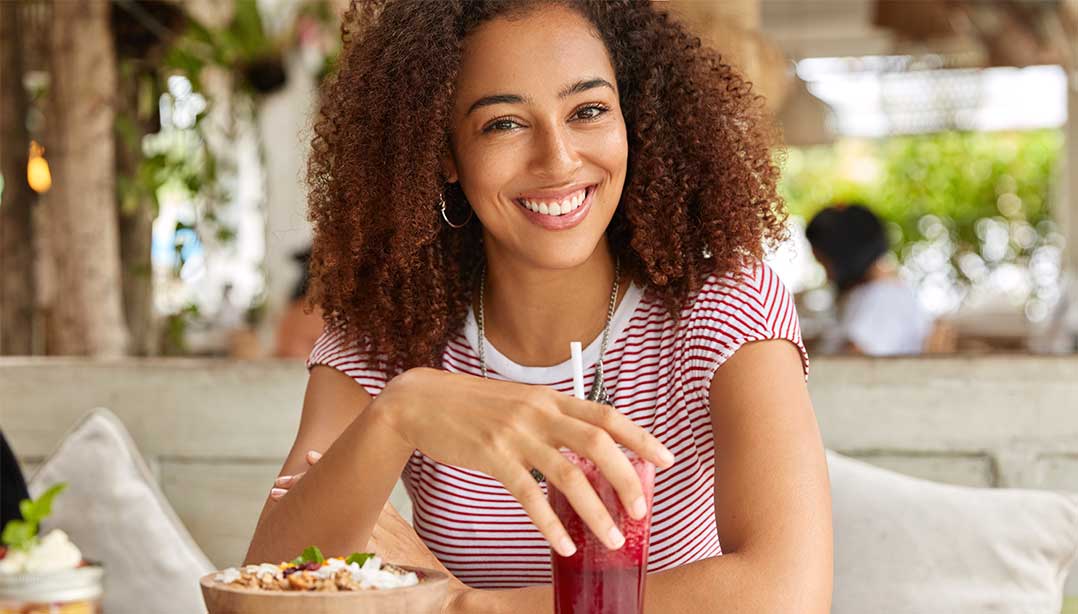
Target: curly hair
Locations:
point(700, 188)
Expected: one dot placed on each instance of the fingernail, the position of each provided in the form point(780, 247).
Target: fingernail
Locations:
point(566, 547)
point(283, 480)
point(314, 456)
point(667, 457)
point(616, 538)
point(277, 493)
point(640, 508)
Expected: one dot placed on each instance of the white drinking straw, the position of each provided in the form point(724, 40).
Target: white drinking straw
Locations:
point(578, 369)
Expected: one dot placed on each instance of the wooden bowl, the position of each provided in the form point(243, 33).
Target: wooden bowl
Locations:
point(423, 598)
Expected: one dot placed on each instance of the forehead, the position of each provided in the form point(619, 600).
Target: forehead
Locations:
point(536, 54)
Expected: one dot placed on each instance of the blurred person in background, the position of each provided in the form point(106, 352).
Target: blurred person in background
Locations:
point(878, 313)
point(299, 329)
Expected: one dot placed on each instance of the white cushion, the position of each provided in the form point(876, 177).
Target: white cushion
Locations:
point(904, 545)
point(115, 514)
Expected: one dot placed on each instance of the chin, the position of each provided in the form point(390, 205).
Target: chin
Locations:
point(561, 255)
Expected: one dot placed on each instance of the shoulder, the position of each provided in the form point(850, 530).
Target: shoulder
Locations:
point(737, 307)
point(751, 300)
point(339, 351)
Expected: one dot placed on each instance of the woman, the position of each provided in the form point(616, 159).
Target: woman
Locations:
point(878, 313)
point(492, 180)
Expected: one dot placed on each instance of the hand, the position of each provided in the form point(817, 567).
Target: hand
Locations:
point(505, 429)
point(285, 482)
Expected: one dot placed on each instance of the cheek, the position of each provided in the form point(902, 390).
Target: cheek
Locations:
point(612, 150)
point(487, 172)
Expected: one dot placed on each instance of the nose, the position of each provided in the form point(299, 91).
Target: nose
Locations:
point(555, 154)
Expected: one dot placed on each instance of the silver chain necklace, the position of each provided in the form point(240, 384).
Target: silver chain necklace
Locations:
point(598, 391)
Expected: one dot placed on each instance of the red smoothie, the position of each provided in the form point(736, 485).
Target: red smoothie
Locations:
point(596, 580)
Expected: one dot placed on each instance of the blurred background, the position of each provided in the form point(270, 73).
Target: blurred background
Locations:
point(152, 158)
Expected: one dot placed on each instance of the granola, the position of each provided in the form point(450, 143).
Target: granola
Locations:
point(356, 573)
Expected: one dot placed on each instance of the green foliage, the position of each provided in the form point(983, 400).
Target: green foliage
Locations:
point(174, 331)
point(241, 41)
point(958, 177)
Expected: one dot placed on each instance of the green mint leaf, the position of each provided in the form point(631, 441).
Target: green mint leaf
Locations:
point(310, 555)
point(358, 558)
point(19, 534)
point(26, 509)
point(42, 506)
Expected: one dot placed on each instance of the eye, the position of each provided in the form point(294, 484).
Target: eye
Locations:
point(592, 111)
point(502, 124)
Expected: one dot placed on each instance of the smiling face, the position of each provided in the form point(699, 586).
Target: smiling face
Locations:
point(538, 138)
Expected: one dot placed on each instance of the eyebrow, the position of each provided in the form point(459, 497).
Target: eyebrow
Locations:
point(580, 86)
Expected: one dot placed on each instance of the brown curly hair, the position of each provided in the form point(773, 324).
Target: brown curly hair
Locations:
point(699, 196)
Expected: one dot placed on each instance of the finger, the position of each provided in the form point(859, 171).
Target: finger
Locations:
point(620, 427)
point(599, 447)
point(575, 487)
point(520, 483)
point(313, 456)
point(277, 493)
point(288, 481)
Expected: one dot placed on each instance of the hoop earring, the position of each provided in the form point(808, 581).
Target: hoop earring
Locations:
point(441, 203)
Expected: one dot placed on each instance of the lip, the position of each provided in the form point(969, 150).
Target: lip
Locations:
point(555, 194)
point(561, 222)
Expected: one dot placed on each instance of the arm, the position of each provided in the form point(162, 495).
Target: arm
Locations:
point(775, 523)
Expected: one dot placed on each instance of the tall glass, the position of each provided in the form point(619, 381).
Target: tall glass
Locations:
point(596, 580)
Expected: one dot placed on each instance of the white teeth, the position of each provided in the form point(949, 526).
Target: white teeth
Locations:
point(556, 208)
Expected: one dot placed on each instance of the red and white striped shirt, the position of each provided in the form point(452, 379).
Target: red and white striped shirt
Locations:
point(658, 371)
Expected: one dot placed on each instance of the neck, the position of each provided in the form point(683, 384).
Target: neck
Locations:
point(532, 314)
point(881, 269)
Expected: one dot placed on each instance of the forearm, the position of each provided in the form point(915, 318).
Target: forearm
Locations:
point(728, 584)
point(337, 504)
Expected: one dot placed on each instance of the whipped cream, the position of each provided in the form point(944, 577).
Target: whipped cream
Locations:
point(54, 552)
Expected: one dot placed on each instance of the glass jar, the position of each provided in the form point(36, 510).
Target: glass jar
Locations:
point(70, 591)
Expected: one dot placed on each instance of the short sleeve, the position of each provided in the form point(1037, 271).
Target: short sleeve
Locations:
point(739, 307)
point(334, 349)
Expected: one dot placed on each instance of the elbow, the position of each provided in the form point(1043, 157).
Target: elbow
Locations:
point(806, 591)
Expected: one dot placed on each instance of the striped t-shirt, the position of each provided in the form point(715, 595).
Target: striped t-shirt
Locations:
point(658, 371)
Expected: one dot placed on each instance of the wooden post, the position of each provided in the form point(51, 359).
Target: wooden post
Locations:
point(84, 239)
point(16, 224)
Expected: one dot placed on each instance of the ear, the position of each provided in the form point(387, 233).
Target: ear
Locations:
point(449, 168)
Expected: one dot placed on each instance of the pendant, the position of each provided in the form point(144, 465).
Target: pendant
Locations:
point(597, 394)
